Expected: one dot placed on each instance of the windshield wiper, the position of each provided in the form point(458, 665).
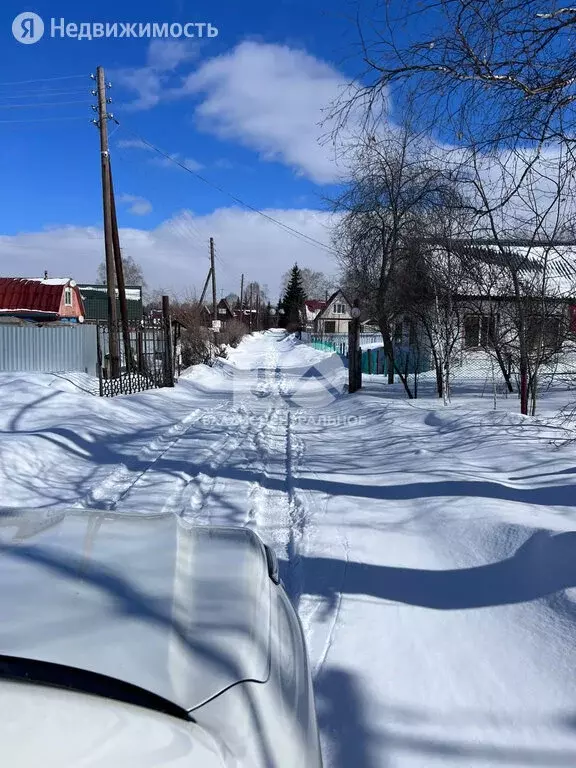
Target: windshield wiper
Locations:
point(84, 681)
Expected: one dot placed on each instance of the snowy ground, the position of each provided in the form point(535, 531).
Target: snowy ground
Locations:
point(431, 551)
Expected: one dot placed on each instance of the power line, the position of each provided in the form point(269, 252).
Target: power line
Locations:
point(39, 94)
point(44, 79)
point(44, 119)
point(44, 104)
point(286, 227)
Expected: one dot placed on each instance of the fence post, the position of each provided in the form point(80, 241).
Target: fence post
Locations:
point(354, 352)
point(167, 356)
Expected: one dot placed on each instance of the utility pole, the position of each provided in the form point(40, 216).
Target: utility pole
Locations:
point(208, 277)
point(242, 298)
point(251, 305)
point(120, 278)
point(108, 240)
point(213, 271)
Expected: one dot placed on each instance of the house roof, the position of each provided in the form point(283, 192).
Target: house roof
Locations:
point(314, 305)
point(224, 303)
point(18, 294)
point(331, 299)
point(549, 267)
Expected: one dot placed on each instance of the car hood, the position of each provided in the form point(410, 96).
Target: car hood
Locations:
point(63, 729)
point(181, 611)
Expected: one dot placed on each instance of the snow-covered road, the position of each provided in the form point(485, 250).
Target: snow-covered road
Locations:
point(431, 551)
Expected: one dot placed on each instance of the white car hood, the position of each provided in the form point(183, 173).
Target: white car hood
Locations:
point(181, 611)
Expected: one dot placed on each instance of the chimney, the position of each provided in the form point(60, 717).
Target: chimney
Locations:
point(45, 274)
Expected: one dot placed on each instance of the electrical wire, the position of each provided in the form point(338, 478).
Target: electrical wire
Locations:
point(44, 119)
point(287, 228)
point(39, 94)
point(44, 104)
point(44, 79)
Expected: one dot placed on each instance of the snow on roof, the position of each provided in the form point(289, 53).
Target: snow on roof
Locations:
point(485, 267)
point(133, 294)
point(52, 280)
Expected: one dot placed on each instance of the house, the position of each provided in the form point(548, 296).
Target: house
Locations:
point(224, 312)
point(483, 293)
point(95, 298)
point(334, 316)
point(41, 299)
point(312, 308)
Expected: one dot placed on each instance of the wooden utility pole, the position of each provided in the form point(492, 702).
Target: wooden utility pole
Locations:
point(213, 270)
point(250, 310)
point(242, 297)
point(108, 240)
point(120, 278)
point(208, 276)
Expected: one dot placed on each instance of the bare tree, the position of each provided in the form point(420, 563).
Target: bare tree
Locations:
point(508, 62)
point(396, 187)
point(133, 274)
point(317, 285)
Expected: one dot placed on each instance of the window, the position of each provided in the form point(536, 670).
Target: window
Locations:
point(221, 310)
point(545, 331)
point(329, 326)
point(478, 330)
point(68, 297)
point(339, 309)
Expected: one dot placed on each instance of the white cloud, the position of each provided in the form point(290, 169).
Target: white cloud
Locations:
point(139, 206)
point(132, 144)
point(174, 255)
point(271, 98)
point(163, 162)
point(151, 82)
point(168, 55)
point(187, 162)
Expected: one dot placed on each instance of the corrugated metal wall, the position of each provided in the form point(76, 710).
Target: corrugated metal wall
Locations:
point(48, 348)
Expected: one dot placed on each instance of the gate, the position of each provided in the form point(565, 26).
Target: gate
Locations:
point(149, 364)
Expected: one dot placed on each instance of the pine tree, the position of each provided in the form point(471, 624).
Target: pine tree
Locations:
point(293, 301)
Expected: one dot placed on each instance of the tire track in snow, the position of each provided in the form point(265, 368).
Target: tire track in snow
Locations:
point(280, 515)
point(192, 498)
point(115, 486)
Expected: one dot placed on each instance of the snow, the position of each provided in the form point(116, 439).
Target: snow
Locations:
point(430, 550)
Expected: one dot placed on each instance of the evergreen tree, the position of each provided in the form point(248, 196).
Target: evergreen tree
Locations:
point(293, 301)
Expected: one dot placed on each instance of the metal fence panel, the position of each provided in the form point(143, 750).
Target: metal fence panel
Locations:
point(48, 348)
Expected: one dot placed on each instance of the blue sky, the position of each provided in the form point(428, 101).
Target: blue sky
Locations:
point(242, 108)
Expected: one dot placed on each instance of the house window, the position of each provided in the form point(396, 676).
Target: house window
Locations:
point(479, 330)
point(68, 297)
point(221, 311)
point(339, 309)
point(329, 326)
point(545, 331)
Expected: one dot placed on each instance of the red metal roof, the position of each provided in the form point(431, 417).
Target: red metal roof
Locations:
point(315, 304)
point(17, 293)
